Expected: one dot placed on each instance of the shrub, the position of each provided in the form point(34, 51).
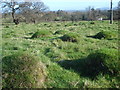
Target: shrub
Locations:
point(71, 37)
point(22, 70)
point(105, 35)
point(104, 60)
point(42, 33)
point(61, 32)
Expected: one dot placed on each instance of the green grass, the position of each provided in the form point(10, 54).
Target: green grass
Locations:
point(71, 50)
point(61, 32)
point(105, 35)
point(70, 37)
point(22, 70)
point(42, 33)
point(107, 62)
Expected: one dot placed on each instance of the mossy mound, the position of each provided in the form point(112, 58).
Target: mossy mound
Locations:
point(103, 60)
point(105, 35)
point(22, 70)
point(70, 37)
point(61, 32)
point(42, 33)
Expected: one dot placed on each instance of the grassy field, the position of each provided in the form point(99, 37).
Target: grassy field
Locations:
point(65, 48)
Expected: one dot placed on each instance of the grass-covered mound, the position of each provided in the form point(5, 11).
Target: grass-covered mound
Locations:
point(22, 70)
point(70, 37)
point(60, 32)
point(105, 35)
point(42, 33)
point(7, 26)
point(103, 61)
point(92, 22)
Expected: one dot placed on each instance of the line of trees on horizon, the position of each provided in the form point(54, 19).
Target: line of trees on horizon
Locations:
point(35, 12)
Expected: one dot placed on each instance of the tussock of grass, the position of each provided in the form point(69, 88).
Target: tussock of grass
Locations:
point(92, 22)
point(71, 37)
point(42, 33)
point(105, 35)
point(75, 24)
point(22, 70)
point(45, 24)
point(6, 26)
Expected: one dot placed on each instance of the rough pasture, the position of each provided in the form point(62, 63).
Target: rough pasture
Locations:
point(52, 51)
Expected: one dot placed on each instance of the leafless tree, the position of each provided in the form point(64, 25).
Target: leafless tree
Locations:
point(12, 7)
point(30, 10)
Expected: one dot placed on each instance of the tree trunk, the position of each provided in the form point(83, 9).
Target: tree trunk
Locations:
point(13, 11)
point(13, 14)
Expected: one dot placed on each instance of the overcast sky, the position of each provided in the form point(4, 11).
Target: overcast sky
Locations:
point(78, 4)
